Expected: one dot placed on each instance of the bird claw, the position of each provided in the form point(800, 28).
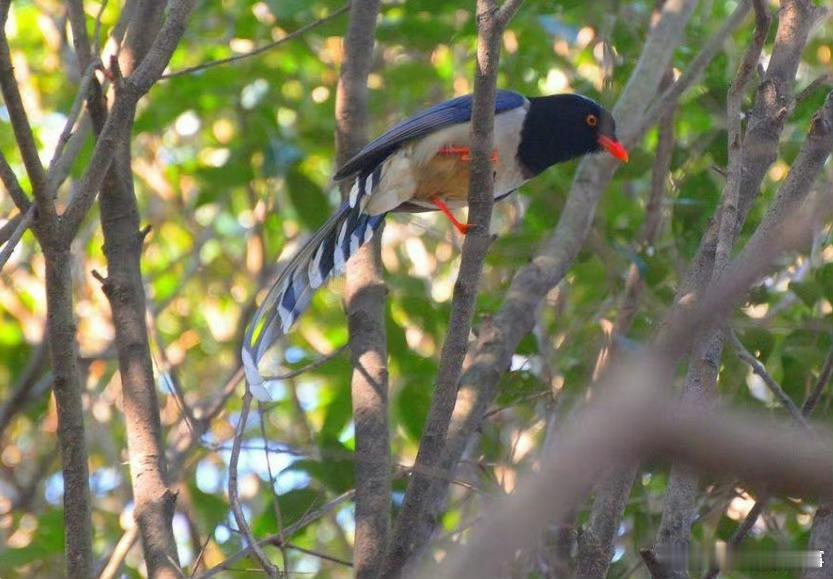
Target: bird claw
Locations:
point(463, 228)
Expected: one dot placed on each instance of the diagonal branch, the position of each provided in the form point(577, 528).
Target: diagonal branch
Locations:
point(120, 119)
point(12, 185)
point(259, 50)
point(22, 224)
point(405, 543)
point(770, 382)
point(20, 124)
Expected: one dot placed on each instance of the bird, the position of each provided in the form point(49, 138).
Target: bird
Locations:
point(423, 164)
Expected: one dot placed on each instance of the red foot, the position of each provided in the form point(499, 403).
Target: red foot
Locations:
point(465, 153)
point(463, 228)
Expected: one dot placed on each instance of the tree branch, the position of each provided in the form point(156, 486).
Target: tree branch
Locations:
point(261, 49)
point(154, 499)
point(121, 116)
point(22, 129)
point(669, 560)
point(406, 541)
point(771, 383)
point(12, 185)
point(234, 496)
point(365, 294)
point(22, 224)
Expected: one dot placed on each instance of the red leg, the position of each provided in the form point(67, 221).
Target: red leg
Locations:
point(465, 153)
point(461, 227)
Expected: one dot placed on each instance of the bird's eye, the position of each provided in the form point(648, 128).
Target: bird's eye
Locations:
point(592, 120)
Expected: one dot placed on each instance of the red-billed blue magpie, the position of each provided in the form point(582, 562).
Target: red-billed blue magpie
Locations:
point(420, 165)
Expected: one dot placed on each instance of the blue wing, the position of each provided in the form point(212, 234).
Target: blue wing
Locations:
point(451, 112)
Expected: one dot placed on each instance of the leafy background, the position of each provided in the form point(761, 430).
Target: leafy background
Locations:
point(232, 165)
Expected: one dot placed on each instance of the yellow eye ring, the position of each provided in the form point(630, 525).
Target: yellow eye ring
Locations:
point(592, 120)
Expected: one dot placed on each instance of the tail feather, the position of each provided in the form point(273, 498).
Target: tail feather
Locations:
point(321, 258)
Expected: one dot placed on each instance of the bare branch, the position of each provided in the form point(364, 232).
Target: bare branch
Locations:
point(259, 50)
point(365, 297)
point(113, 566)
point(731, 195)
point(22, 225)
point(22, 129)
point(636, 420)
point(12, 185)
point(824, 379)
point(120, 119)
point(234, 496)
point(406, 539)
point(670, 96)
point(285, 535)
point(771, 383)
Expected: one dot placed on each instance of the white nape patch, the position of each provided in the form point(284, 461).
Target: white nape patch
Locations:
point(314, 269)
point(368, 234)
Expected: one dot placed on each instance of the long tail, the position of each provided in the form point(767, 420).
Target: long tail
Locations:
point(321, 258)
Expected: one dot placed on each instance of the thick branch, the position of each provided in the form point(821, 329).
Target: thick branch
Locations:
point(154, 499)
point(365, 293)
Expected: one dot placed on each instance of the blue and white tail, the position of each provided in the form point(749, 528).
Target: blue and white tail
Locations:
point(321, 258)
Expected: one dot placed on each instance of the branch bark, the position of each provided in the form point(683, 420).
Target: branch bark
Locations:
point(55, 234)
point(365, 294)
point(749, 161)
point(499, 337)
point(123, 241)
point(407, 541)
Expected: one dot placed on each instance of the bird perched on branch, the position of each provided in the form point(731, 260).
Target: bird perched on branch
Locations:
point(420, 165)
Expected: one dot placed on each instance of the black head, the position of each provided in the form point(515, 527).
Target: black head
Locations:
point(561, 127)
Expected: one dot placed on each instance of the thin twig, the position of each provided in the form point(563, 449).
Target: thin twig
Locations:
point(319, 555)
point(276, 503)
point(309, 367)
point(59, 167)
point(114, 563)
point(770, 382)
point(12, 185)
point(260, 49)
point(22, 129)
point(234, 495)
point(16, 235)
point(668, 98)
point(289, 532)
point(824, 379)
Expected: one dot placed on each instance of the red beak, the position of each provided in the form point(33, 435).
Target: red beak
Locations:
point(614, 147)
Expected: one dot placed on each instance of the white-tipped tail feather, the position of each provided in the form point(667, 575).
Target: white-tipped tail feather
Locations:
point(321, 258)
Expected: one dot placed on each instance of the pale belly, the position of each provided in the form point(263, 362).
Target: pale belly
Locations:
point(447, 178)
point(419, 173)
